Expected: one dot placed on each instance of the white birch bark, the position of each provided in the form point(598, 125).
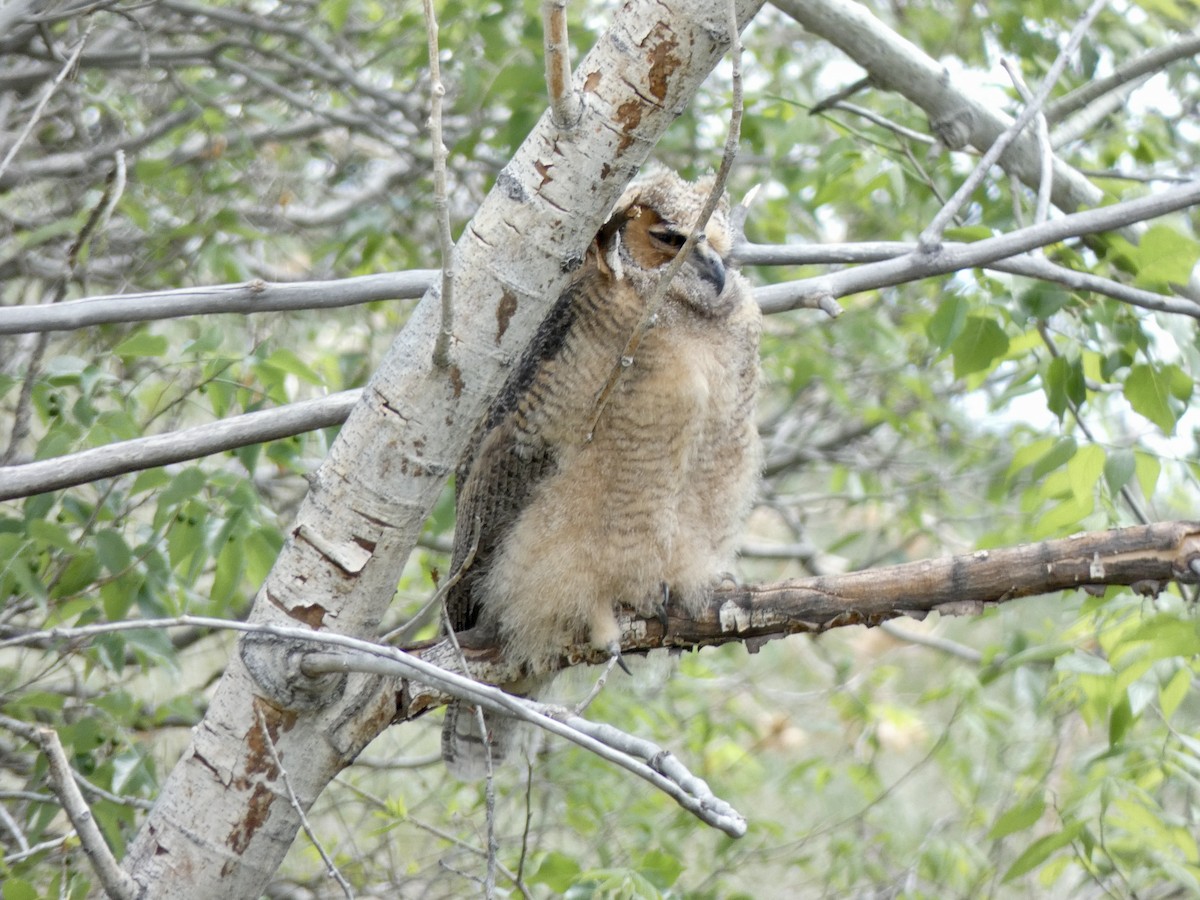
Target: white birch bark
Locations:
point(223, 822)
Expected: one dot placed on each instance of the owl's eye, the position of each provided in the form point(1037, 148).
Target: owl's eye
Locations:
point(673, 239)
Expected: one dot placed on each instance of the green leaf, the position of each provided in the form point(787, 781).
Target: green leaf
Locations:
point(1148, 469)
point(557, 871)
point(1084, 471)
point(1119, 720)
point(1019, 817)
point(1040, 850)
point(660, 868)
point(335, 13)
point(287, 361)
point(1150, 390)
point(1119, 468)
point(1043, 300)
point(112, 551)
point(141, 343)
point(1164, 255)
point(1060, 454)
point(18, 889)
point(947, 323)
point(1082, 663)
point(1064, 385)
point(981, 343)
point(1171, 694)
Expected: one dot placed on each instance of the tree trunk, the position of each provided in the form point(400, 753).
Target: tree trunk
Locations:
point(224, 821)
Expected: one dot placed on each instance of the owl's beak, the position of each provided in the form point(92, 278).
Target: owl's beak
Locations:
point(709, 266)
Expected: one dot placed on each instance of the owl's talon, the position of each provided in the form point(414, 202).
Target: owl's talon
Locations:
point(614, 650)
point(661, 613)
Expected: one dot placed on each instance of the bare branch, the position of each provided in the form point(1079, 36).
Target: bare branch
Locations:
point(1042, 212)
point(933, 232)
point(896, 64)
point(949, 258)
point(67, 68)
point(875, 251)
point(441, 349)
point(116, 882)
point(1150, 62)
point(251, 297)
point(162, 449)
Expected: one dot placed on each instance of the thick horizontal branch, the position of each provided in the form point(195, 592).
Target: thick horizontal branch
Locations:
point(177, 446)
point(945, 258)
point(884, 264)
point(1025, 264)
point(250, 297)
point(1144, 557)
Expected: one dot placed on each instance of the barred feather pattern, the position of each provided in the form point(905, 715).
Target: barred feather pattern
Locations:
point(564, 524)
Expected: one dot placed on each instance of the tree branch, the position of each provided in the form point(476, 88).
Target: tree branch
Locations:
point(876, 251)
point(116, 883)
point(1150, 62)
point(369, 499)
point(250, 297)
point(932, 235)
point(177, 446)
point(896, 64)
point(1144, 558)
point(946, 258)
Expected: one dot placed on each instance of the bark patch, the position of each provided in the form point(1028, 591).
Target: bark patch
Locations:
point(629, 117)
point(663, 63)
point(504, 313)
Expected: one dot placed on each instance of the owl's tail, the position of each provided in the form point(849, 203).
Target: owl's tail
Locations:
point(466, 750)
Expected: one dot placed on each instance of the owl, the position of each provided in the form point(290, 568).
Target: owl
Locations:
point(580, 495)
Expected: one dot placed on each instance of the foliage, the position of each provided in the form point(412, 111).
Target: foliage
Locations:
point(1054, 749)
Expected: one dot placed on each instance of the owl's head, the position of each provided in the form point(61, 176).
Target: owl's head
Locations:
point(647, 229)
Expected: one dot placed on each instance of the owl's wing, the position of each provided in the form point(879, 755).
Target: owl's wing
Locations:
point(508, 459)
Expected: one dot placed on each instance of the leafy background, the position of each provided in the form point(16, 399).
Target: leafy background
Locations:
point(1046, 748)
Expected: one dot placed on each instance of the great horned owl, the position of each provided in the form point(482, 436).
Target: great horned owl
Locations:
point(567, 521)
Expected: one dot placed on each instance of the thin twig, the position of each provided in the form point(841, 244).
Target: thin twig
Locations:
point(331, 868)
point(67, 68)
point(489, 786)
point(405, 632)
point(1046, 182)
point(441, 207)
point(931, 237)
point(943, 645)
point(1152, 61)
point(14, 831)
point(489, 790)
point(597, 687)
point(437, 832)
point(114, 186)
